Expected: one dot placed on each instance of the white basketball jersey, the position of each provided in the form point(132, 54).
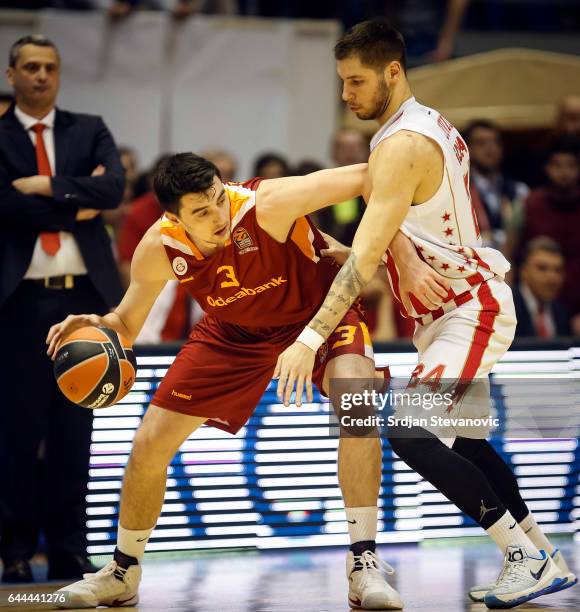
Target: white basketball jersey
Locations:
point(444, 229)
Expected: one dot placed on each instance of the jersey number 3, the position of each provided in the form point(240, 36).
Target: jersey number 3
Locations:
point(231, 281)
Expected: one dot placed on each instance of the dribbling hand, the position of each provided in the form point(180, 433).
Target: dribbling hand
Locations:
point(57, 333)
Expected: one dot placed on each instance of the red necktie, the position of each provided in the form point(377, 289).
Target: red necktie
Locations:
point(541, 322)
point(50, 241)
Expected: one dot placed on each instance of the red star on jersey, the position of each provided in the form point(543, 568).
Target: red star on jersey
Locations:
point(431, 258)
point(445, 266)
point(461, 268)
point(461, 250)
point(446, 216)
point(449, 231)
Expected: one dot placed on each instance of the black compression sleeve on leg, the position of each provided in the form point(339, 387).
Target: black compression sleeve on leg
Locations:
point(498, 473)
point(454, 475)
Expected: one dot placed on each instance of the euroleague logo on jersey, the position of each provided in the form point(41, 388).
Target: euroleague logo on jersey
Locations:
point(179, 266)
point(243, 240)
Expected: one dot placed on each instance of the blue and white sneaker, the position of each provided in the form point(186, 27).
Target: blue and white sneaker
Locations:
point(478, 592)
point(523, 578)
point(571, 578)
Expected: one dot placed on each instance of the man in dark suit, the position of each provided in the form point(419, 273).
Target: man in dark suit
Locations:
point(542, 273)
point(58, 171)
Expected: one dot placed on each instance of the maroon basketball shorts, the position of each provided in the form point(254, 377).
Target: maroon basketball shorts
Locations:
point(222, 371)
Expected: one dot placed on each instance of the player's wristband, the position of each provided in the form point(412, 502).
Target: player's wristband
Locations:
point(310, 338)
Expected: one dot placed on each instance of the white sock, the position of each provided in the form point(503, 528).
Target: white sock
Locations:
point(132, 542)
point(362, 523)
point(536, 535)
point(507, 532)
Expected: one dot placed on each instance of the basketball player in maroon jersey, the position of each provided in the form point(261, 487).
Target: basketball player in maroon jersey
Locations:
point(252, 259)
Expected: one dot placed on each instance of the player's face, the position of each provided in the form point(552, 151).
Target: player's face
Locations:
point(35, 77)
point(543, 272)
point(206, 217)
point(364, 90)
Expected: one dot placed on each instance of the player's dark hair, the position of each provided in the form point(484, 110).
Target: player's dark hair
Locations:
point(478, 124)
point(32, 39)
point(178, 175)
point(375, 43)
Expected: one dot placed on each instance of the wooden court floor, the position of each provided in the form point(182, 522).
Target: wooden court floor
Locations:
point(432, 577)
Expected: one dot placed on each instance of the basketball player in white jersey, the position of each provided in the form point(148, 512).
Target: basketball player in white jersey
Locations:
point(419, 174)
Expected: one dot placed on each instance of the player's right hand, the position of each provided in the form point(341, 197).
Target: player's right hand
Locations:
point(338, 251)
point(425, 283)
point(57, 333)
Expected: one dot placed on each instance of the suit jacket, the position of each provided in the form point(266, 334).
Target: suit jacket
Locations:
point(81, 143)
point(525, 326)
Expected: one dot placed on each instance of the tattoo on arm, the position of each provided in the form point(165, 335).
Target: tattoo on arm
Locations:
point(344, 290)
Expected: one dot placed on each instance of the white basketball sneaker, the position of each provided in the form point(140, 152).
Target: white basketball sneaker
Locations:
point(523, 578)
point(478, 592)
point(368, 589)
point(112, 586)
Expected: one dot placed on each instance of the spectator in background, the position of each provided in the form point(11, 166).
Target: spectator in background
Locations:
point(120, 9)
point(542, 273)
point(225, 162)
point(271, 166)
point(554, 211)
point(114, 218)
point(58, 171)
point(500, 196)
point(130, 161)
point(568, 118)
point(429, 31)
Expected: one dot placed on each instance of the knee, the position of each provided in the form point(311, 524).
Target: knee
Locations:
point(368, 447)
point(149, 452)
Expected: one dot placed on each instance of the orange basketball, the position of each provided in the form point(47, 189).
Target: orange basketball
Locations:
point(95, 367)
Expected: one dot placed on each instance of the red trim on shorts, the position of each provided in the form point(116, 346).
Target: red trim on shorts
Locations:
point(483, 331)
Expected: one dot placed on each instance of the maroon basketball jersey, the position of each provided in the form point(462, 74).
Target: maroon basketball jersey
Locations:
point(254, 281)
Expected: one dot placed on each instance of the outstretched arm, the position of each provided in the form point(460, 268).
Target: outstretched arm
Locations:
point(281, 201)
point(150, 271)
point(396, 168)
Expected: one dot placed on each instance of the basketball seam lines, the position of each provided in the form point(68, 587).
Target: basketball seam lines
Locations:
point(83, 363)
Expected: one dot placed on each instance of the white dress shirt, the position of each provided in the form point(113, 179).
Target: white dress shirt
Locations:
point(68, 259)
point(533, 306)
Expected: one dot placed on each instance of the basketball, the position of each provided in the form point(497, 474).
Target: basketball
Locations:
point(95, 367)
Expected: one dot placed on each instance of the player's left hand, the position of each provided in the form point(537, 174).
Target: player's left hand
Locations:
point(294, 367)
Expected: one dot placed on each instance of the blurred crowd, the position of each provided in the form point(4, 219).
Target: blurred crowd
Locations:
point(531, 215)
point(430, 27)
